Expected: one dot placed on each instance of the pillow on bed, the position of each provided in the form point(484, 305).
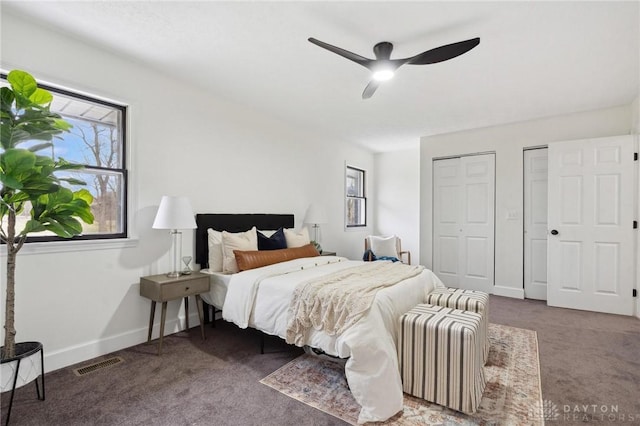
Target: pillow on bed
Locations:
point(268, 232)
point(214, 239)
point(383, 246)
point(274, 241)
point(236, 241)
point(296, 238)
point(257, 258)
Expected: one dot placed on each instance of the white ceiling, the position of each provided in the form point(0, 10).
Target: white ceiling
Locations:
point(535, 59)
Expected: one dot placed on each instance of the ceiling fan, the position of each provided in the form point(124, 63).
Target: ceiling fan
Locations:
point(383, 67)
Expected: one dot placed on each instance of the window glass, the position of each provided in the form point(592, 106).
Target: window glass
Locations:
point(356, 203)
point(97, 141)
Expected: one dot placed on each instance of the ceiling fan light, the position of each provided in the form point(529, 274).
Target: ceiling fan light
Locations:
point(383, 75)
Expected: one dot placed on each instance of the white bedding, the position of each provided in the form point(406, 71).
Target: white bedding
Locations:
point(218, 288)
point(260, 298)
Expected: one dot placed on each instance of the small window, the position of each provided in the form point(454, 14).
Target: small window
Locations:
point(97, 141)
point(356, 202)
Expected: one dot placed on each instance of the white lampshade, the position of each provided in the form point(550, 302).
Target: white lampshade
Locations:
point(174, 213)
point(316, 214)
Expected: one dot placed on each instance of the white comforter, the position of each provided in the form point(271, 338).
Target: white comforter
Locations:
point(260, 298)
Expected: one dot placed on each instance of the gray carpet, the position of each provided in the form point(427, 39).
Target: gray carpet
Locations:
point(589, 363)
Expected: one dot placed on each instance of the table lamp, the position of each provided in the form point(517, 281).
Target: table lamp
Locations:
point(175, 213)
point(316, 215)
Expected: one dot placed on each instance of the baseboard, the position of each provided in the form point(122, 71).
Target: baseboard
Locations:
point(516, 293)
point(638, 308)
point(95, 348)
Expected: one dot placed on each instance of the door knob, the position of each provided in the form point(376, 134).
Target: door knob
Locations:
point(554, 232)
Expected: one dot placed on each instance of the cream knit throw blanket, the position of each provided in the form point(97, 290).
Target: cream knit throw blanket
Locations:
point(334, 302)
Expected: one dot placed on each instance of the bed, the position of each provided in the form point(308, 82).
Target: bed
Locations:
point(260, 298)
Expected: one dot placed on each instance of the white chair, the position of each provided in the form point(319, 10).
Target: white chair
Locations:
point(389, 246)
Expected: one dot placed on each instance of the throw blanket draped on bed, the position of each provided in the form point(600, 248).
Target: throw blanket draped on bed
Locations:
point(335, 302)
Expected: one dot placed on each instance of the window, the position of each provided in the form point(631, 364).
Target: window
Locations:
point(97, 141)
point(356, 202)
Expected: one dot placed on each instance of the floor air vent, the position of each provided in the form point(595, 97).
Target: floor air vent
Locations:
point(91, 368)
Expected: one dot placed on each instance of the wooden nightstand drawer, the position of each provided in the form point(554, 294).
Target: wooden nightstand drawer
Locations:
point(183, 289)
point(160, 288)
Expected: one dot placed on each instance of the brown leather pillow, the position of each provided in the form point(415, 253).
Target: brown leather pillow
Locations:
point(251, 259)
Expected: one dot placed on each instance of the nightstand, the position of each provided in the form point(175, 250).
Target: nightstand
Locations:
point(160, 288)
point(327, 253)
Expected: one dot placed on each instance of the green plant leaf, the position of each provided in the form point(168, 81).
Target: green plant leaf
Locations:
point(16, 161)
point(6, 99)
point(16, 197)
point(63, 125)
point(15, 136)
point(68, 166)
point(81, 209)
point(52, 200)
point(33, 226)
point(73, 181)
point(41, 97)
point(37, 187)
point(85, 215)
point(5, 135)
point(40, 146)
point(57, 229)
point(44, 161)
point(22, 83)
point(84, 195)
point(4, 210)
point(10, 182)
point(70, 224)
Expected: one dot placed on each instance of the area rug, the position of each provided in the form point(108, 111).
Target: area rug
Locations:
point(512, 395)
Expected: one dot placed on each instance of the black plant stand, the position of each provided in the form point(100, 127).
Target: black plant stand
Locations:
point(24, 350)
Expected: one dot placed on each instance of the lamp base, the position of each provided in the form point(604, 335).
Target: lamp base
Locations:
point(173, 274)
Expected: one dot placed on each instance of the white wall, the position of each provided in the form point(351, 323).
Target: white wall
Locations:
point(508, 142)
point(83, 301)
point(397, 192)
point(635, 116)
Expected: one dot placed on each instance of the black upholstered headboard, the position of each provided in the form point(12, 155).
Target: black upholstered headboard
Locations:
point(233, 223)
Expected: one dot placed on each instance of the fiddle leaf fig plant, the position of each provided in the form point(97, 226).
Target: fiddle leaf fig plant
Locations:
point(33, 182)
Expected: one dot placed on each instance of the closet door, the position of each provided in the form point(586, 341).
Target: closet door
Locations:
point(535, 223)
point(463, 221)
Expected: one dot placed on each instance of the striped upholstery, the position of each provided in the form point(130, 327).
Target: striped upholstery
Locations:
point(467, 300)
point(440, 355)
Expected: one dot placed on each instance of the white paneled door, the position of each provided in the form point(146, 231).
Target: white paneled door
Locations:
point(535, 223)
point(591, 236)
point(463, 221)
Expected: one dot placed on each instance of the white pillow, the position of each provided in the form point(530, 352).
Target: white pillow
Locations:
point(383, 246)
point(215, 250)
point(296, 238)
point(236, 241)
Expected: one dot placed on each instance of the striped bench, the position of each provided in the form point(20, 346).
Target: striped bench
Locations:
point(467, 300)
point(440, 356)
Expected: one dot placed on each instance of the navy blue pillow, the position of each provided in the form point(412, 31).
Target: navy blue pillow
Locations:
point(274, 242)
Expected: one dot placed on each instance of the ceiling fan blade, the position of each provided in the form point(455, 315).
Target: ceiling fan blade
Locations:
point(443, 53)
point(370, 89)
point(365, 62)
